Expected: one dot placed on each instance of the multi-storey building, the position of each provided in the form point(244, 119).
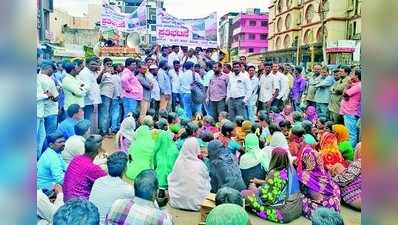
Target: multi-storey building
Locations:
point(225, 30)
point(250, 33)
point(44, 8)
point(309, 30)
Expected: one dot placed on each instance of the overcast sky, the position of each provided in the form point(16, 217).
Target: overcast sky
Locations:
point(177, 8)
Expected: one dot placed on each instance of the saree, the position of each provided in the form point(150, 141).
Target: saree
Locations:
point(166, 154)
point(141, 152)
point(189, 182)
point(316, 181)
point(223, 168)
point(329, 150)
point(343, 140)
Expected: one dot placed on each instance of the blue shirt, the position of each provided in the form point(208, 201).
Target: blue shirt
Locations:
point(67, 127)
point(164, 82)
point(50, 169)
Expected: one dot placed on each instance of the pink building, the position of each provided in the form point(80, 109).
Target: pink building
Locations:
point(250, 34)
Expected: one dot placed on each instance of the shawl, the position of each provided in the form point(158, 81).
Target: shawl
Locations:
point(166, 154)
point(311, 173)
point(141, 152)
point(253, 154)
point(310, 114)
point(127, 128)
point(277, 140)
point(224, 169)
point(189, 182)
point(227, 214)
point(341, 133)
point(329, 150)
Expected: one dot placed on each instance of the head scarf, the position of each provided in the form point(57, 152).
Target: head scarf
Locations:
point(253, 154)
point(277, 140)
point(224, 169)
point(309, 139)
point(141, 152)
point(189, 182)
point(329, 150)
point(127, 128)
point(310, 114)
point(165, 156)
point(227, 214)
point(311, 173)
point(341, 133)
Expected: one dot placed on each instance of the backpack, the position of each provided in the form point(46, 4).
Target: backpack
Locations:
point(197, 91)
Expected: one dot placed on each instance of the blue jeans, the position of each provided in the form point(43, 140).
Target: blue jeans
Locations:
point(187, 104)
point(40, 136)
point(50, 123)
point(88, 112)
point(129, 105)
point(351, 123)
point(115, 115)
point(175, 97)
point(251, 110)
point(103, 114)
point(322, 110)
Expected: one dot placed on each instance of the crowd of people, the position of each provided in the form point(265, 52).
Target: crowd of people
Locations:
point(272, 139)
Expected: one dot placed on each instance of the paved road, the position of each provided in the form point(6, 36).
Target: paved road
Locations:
point(181, 217)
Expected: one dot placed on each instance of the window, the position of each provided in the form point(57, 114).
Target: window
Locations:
point(287, 41)
point(153, 28)
point(289, 4)
point(279, 24)
point(153, 38)
point(263, 36)
point(310, 13)
point(252, 36)
point(354, 28)
point(251, 50)
point(264, 23)
point(242, 36)
point(252, 23)
point(288, 21)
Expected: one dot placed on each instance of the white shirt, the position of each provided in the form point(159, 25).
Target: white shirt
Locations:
point(267, 87)
point(89, 78)
point(46, 209)
point(172, 57)
point(40, 98)
point(73, 146)
point(175, 81)
point(192, 59)
point(155, 92)
point(106, 190)
point(238, 86)
point(253, 88)
point(282, 85)
point(48, 84)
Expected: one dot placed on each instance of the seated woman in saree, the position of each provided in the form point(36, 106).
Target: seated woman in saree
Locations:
point(343, 141)
point(329, 151)
point(318, 186)
point(254, 162)
point(141, 152)
point(166, 154)
point(189, 182)
point(125, 136)
point(350, 180)
point(278, 199)
point(277, 140)
point(223, 168)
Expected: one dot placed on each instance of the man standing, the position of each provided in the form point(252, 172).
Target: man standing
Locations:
point(155, 93)
point(173, 56)
point(89, 76)
point(298, 88)
point(190, 57)
point(174, 74)
point(217, 91)
point(253, 96)
point(116, 102)
point(74, 89)
point(238, 92)
point(164, 85)
point(147, 87)
point(313, 80)
point(209, 74)
point(351, 106)
point(51, 103)
point(132, 91)
point(322, 93)
point(106, 89)
point(337, 89)
point(282, 87)
point(267, 88)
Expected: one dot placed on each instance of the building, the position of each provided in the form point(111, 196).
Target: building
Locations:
point(225, 30)
point(303, 31)
point(44, 8)
point(61, 22)
point(250, 33)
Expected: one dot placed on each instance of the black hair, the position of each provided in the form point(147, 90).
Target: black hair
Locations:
point(239, 120)
point(358, 73)
point(191, 128)
point(54, 136)
point(275, 109)
point(251, 67)
point(285, 124)
point(82, 127)
point(162, 124)
point(91, 59)
point(307, 125)
point(228, 66)
point(298, 131)
point(273, 128)
point(236, 63)
point(171, 117)
point(197, 66)
point(117, 163)
point(263, 116)
point(329, 125)
point(209, 119)
point(129, 62)
point(72, 110)
point(188, 65)
point(227, 127)
point(228, 195)
point(206, 136)
point(92, 145)
point(69, 66)
point(77, 211)
point(163, 114)
point(78, 62)
point(299, 69)
point(346, 69)
point(297, 117)
point(106, 60)
point(175, 62)
point(268, 64)
point(146, 185)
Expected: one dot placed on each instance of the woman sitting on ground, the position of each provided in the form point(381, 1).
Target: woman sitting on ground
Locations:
point(343, 141)
point(254, 163)
point(329, 150)
point(278, 198)
point(319, 188)
point(350, 180)
point(223, 168)
point(125, 136)
point(189, 182)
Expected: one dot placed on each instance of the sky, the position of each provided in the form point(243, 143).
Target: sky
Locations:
point(178, 8)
